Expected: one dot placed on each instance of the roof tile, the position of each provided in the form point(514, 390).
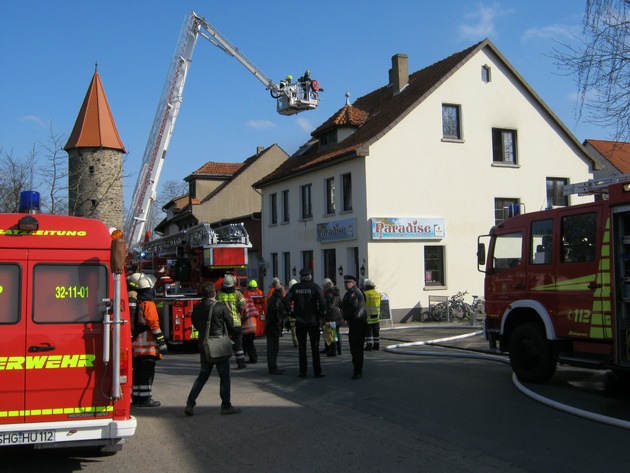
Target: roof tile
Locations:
point(617, 152)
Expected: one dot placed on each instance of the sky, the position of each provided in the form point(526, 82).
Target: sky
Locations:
point(50, 48)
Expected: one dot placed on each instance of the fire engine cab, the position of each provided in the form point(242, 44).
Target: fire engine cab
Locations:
point(65, 356)
point(557, 284)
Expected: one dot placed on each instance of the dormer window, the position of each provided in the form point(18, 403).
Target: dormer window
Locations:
point(328, 139)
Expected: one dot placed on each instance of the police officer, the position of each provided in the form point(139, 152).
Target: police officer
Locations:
point(353, 309)
point(308, 309)
point(373, 309)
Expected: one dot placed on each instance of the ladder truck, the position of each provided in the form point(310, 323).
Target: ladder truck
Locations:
point(182, 263)
point(291, 98)
point(557, 284)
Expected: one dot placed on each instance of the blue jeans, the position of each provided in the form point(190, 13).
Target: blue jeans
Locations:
point(223, 368)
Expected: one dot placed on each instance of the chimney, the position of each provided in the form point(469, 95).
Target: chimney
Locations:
point(399, 74)
point(259, 149)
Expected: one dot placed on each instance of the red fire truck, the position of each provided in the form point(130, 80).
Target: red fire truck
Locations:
point(557, 284)
point(183, 262)
point(65, 355)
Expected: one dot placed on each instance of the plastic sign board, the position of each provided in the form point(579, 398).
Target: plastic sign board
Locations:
point(389, 228)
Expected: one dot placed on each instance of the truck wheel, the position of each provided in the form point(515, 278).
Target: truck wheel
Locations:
point(531, 354)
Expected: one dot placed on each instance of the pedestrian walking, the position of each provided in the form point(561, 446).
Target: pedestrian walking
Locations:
point(308, 308)
point(148, 344)
point(292, 319)
point(274, 324)
point(353, 310)
point(221, 314)
point(373, 309)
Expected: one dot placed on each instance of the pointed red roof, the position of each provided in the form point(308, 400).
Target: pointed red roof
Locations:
point(617, 152)
point(95, 126)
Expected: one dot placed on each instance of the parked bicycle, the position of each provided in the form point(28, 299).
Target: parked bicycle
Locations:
point(455, 309)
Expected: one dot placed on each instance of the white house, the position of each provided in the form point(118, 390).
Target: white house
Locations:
point(398, 185)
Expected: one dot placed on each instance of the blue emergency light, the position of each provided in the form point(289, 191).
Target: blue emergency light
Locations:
point(29, 202)
point(514, 210)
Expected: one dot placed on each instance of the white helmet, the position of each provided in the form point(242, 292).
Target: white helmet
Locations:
point(146, 282)
point(134, 278)
point(369, 283)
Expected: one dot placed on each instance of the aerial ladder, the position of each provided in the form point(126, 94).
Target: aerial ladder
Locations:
point(291, 98)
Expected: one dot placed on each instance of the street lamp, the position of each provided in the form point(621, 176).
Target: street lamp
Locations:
point(294, 271)
point(340, 270)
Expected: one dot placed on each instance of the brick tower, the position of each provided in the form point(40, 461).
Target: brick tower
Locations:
point(95, 157)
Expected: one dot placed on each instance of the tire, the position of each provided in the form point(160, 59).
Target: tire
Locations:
point(531, 354)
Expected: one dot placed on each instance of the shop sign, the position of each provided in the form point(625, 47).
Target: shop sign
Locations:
point(337, 230)
point(408, 228)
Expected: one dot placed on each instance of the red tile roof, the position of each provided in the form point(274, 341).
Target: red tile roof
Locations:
point(347, 116)
point(95, 126)
point(218, 169)
point(617, 152)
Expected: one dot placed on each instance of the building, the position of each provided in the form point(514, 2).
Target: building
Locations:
point(221, 193)
point(398, 185)
point(612, 157)
point(95, 156)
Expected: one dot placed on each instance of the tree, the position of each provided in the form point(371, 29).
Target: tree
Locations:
point(601, 64)
point(15, 176)
point(54, 174)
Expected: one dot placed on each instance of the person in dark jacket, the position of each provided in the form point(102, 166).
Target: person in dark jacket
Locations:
point(274, 323)
point(333, 315)
point(201, 317)
point(353, 309)
point(308, 309)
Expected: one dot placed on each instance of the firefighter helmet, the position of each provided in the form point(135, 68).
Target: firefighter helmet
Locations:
point(228, 281)
point(146, 282)
point(133, 280)
point(369, 283)
point(252, 283)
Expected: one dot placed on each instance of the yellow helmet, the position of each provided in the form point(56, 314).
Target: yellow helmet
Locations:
point(252, 283)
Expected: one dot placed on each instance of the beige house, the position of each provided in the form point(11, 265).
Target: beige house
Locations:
point(398, 185)
point(221, 193)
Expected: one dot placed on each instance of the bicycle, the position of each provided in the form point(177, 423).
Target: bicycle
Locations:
point(455, 309)
point(478, 308)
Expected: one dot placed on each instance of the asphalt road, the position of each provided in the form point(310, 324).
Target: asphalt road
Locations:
point(409, 413)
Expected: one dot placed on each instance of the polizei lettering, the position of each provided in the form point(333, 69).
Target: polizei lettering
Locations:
point(70, 233)
point(40, 362)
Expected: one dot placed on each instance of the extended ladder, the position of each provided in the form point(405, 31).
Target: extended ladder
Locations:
point(594, 186)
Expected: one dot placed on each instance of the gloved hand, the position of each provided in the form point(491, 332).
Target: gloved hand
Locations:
point(161, 341)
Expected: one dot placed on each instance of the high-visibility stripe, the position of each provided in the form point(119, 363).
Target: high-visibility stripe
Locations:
point(57, 411)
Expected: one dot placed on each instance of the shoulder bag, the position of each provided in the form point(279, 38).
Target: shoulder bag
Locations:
point(216, 347)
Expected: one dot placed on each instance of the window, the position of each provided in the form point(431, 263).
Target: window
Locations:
point(307, 208)
point(578, 238)
point(307, 261)
point(346, 181)
point(485, 73)
point(69, 293)
point(330, 264)
point(273, 209)
point(451, 123)
point(330, 195)
point(285, 206)
point(504, 146)
point(10, 294)
point(286, 259)
point(329, 138)
point(541, 245)
point(434, 266)
point(501, 207)
point(274, 265)
point(508, 250)
point(554, 192)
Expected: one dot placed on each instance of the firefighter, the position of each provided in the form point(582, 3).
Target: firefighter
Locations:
point(249, 322)
point(236, 303)
point(373, 309)
point(148, 344)
point(253, 290)
point(132, 291)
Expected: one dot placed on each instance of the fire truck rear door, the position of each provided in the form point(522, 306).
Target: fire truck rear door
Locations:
point(13, 326)
point(64, 337)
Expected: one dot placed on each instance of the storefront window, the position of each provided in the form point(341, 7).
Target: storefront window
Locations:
point(434, 266)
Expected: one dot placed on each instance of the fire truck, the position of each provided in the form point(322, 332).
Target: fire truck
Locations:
point(65, 355)
point(557, 284)
point(183, 262)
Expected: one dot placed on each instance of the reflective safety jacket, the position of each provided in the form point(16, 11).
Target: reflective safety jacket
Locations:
point(235, 302)
point(373, 306)
point(250, 319)
point(144, 344)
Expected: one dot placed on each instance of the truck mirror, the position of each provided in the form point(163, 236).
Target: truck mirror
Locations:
point(481, 254)
point(118, 256)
